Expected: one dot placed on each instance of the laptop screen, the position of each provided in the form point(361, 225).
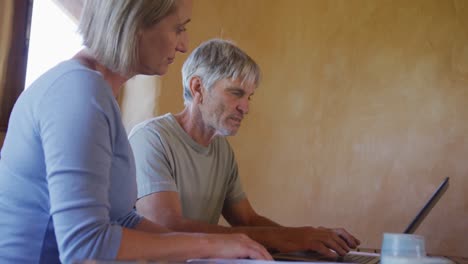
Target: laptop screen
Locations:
point(427, 207)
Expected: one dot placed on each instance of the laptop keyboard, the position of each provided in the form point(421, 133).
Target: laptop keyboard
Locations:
point(360, 259)
point(352, 257)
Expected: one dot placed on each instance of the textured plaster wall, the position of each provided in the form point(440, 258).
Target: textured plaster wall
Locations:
point(361, 113)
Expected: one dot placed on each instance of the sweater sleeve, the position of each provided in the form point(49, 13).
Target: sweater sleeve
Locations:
point(75, 126)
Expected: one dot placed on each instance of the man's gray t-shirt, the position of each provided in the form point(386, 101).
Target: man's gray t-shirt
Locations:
point(168, 159)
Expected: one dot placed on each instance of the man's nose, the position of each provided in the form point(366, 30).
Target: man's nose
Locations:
point(244, 106)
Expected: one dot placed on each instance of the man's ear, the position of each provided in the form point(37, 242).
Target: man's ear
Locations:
point(196, 88)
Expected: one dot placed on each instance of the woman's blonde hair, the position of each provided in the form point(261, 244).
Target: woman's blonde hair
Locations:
point(110, 29)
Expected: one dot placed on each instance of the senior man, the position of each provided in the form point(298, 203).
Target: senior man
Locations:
point(186, 170)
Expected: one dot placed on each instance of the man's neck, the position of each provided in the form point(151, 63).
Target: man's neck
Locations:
point(192, 123)
point(115, 80)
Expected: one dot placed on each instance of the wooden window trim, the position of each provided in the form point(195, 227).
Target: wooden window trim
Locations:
point(15, 73)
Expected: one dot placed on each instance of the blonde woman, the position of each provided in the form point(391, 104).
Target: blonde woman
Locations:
point(67, 173)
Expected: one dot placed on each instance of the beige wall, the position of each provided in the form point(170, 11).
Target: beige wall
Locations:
point(138, 99)
point(360, 115)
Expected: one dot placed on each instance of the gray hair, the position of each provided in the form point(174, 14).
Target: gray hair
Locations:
point(110, 29)
point(215, 60)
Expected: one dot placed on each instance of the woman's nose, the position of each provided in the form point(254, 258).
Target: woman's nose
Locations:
point(182, 46)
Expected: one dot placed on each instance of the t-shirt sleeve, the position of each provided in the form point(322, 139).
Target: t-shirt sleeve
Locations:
point(153, 169)
point(235, 192)
point(75, 123)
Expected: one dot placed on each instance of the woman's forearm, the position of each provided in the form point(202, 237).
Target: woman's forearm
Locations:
point(137, 245)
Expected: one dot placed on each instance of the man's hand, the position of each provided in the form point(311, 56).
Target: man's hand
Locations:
point(328, 242)
point(351, 241)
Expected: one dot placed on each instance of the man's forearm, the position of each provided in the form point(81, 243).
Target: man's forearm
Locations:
point(259, 220)
point(149, 226)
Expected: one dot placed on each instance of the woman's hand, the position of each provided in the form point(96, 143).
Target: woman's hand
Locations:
point(230, 246)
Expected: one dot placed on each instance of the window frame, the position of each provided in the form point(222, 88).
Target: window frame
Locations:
point(15, 73)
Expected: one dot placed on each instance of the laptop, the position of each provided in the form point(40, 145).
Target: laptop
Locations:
point(368, 257)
